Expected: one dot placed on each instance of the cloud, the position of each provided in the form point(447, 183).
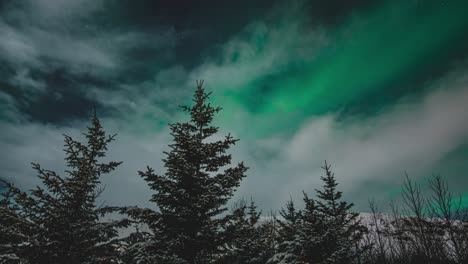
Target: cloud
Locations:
point(34, 31)
point(54, 10)
point(52, 50)
point(265, 47)
point(8, 108)
point(412, 136)
point(43, 144)
point(24, 80)
point(146, 107)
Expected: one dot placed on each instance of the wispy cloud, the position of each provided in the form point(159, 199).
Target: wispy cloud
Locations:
point(412, 136)
point(265, 47)
point(42, 37)
point(34, 31)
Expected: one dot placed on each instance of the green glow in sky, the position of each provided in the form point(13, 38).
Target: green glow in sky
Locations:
point(371, 53)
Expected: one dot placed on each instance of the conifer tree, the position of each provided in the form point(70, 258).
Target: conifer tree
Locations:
point(288, 245)
point(248, 238)
point(60, 222)
point(339, 229)
point(291, 221)
point(12, 230)
point(192, 193)
point(311, 233)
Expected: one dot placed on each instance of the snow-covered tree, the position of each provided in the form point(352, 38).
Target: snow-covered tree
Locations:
point(325, 231)
point(248, 238)
point(191, 195)
point(311, 232)
point(12, 229)
point(332, 230)
point(61, 222)
point(288, 248)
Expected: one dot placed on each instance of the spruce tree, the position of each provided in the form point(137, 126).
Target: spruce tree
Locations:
point(12, 230)
point(311, 233)
point(192, 193)
point(288, 244)
point(339, 230)
point(248, 238)
point(60, 222)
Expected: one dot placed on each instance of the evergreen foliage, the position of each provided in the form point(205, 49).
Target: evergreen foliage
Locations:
point(60, 222)
point(248, 240)
point(326, 231)
point(192, 193)
point(338, 230)
point(288, 244)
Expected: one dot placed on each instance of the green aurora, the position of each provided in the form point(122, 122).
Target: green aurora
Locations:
point(369, 61)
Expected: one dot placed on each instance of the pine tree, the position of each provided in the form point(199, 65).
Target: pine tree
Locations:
point(311, 233)
point(12, 230)
point(289, 247)
point(340, 230)
point(60, 222)
point(192, 193)
point(248, 238)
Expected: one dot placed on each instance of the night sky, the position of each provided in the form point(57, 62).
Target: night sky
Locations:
point(377, 88)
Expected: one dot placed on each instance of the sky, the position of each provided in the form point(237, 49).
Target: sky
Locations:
point(376, 88)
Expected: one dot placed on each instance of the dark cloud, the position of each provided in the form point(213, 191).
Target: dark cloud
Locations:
point(54, 52)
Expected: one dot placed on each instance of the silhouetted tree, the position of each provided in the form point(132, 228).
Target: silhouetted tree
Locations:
point(330, 230)
point(192, 193)
point(325, 231)
point(426, 229)
point(311, 234)
point(375, 239)
point(60, 222)
point(423, 236)
point(288, 247)
point(248, 238)
point(451, 219)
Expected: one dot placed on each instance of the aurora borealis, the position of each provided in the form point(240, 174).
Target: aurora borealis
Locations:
point(375, 87)
point(394, 42)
